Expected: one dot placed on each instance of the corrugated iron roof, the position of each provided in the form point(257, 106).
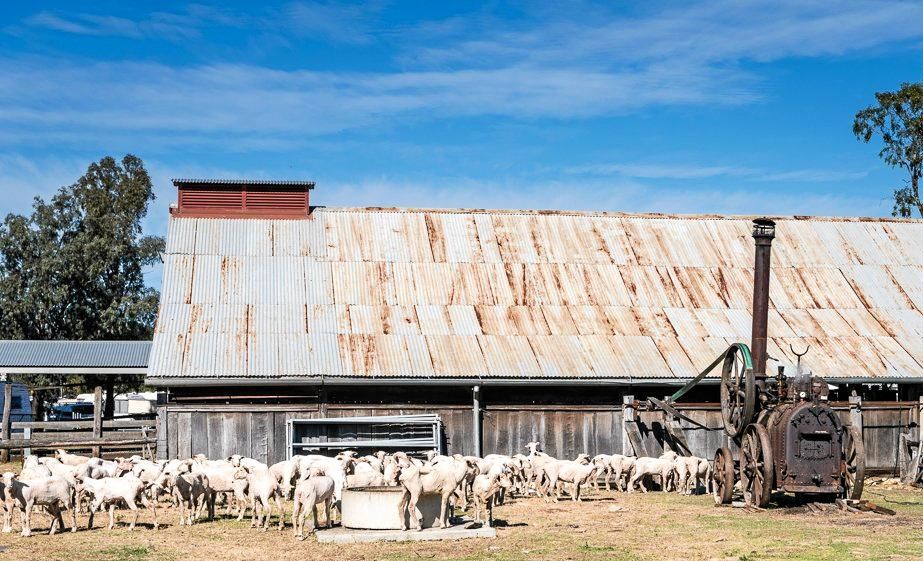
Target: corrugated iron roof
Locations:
point(529, 294)
point(75, 354)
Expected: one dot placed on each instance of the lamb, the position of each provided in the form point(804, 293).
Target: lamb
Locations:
point(70, 459)
point(332, 467)
point(565, 471)
point(693, 472)
point(317, 488)
point(221, 479)
point(146, 470)
point(486, 490)
point(110, 491)
point(34, 467)
point(622, 465)
point(364, 475)
point(53, 493)
point(644, 467)
point(191, 491)
point(442, 477)
point(263, 489)
point(603, 463)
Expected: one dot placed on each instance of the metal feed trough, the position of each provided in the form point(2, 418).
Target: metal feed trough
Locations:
point(394, 433)
point(789, 437)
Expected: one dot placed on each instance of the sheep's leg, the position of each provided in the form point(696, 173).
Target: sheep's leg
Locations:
point(267, 509)
point(295, 513)
point(111, 516)
point(490, 512)
point(7, 519)
point(92, 508)
point(443, 511)
point(328, 522)
point(152, 506)
point(134, 509)
point(182, 513)
point(315, 524)
point(253, 511)
point(402, 505)
point(26, 519)
point(57, 523)
point(281, 511)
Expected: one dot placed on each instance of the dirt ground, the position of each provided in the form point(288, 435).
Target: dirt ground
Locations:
point(607, 525)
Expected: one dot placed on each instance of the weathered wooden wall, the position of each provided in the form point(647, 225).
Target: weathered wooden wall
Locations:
point(564, 430)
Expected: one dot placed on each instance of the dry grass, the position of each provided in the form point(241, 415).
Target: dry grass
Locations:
point(652, 526)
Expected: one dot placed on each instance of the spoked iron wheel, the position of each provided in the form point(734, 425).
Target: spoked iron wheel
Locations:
point(756, 467)
point(738, 392)
point(722, 477)
point(852, 478)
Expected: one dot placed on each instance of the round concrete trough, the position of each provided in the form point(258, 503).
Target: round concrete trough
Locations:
point(376, 508)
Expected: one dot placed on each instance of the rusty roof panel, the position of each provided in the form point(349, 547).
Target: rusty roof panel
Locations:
point(876, 288)
point(509, 357)
point(900, 323)
point(379, 292)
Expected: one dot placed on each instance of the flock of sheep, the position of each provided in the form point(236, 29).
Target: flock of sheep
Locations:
point(73, 483)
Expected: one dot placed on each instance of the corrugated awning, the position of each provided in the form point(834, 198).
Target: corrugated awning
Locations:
point(74, 357)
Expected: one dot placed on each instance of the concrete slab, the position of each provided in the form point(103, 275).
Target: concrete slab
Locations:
point(347, 535)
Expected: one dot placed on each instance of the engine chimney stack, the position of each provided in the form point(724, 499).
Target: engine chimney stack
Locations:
point(764, 230)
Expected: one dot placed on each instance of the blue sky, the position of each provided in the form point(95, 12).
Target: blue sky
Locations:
point(725, 107)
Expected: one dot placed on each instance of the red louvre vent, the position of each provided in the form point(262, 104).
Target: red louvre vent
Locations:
point(243, 198)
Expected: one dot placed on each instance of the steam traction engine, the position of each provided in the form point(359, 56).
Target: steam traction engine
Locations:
point(789, 438)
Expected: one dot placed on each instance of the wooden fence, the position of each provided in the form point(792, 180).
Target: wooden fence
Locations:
point(95, 436)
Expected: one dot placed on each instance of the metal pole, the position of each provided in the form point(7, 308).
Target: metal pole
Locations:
point(7, 409)
point(764, 230)
point(476, 412)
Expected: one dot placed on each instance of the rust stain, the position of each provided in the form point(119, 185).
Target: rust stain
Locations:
point(436, 238)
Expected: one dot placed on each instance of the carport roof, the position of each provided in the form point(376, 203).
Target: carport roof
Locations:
point(74, 357)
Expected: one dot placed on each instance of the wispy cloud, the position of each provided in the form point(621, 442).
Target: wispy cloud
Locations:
point(184, 24)
point(559, 64)
point(670, 171)
point(337, 23)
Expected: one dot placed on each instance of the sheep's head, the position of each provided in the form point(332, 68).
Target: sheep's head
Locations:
point(8, 478)
point(583, 459)
point(200, 458)
point(316, 472)
point(241, 473)
point(235, 459)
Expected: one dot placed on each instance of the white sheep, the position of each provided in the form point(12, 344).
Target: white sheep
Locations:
point(111, 491)
point(53, 493)
point(263, 490)
point(191, 491)
point(649, 467)
point(486, 490)
point(317, 488)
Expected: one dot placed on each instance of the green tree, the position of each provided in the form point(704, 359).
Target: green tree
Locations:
point(898, 120)
point(74, 268)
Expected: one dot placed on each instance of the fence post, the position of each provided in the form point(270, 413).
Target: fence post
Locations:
point(5, 424)
point(855, 412)
point(628, 416)
point(476, 420)
point(97, 419)
point(26, 435)
point(918, 431)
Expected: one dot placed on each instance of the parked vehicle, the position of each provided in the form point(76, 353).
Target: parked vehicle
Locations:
point(22, 405)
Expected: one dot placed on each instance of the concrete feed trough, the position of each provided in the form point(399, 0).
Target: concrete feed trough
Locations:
point(376, 508)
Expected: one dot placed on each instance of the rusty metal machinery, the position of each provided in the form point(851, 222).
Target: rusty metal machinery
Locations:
point(788, 436)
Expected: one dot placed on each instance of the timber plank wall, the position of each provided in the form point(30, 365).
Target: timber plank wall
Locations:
point(259, 430)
